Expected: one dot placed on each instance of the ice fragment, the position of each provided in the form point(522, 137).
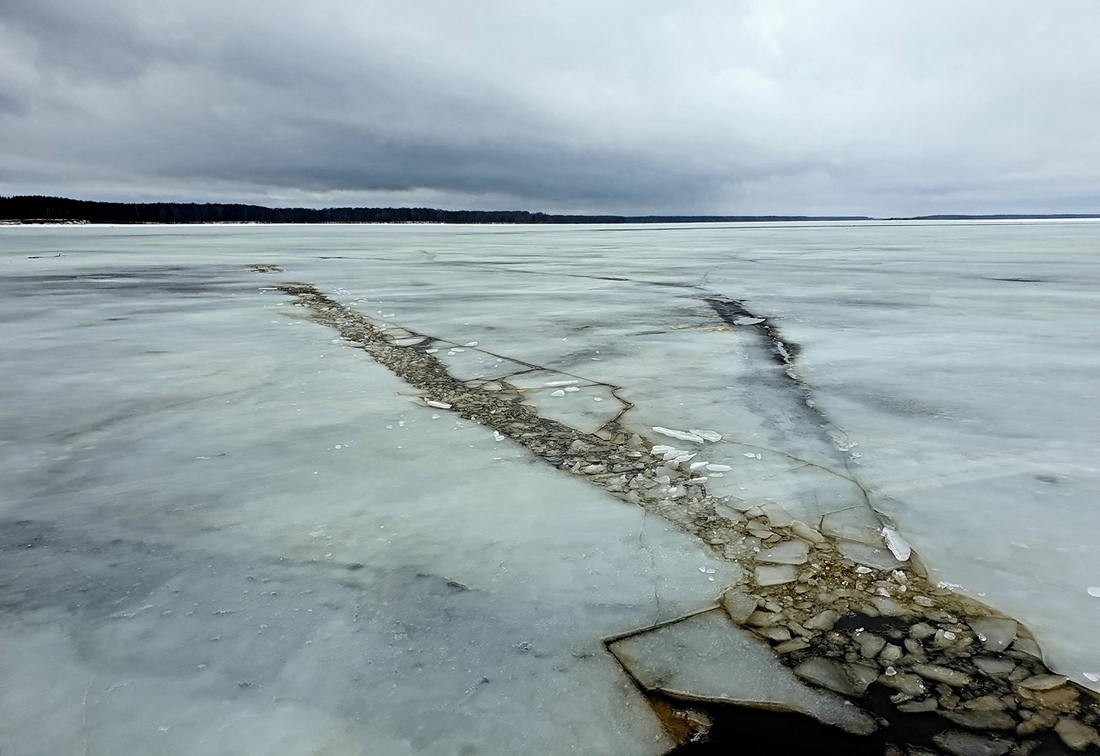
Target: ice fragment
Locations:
point(826, 673)
point(682, 435)
point(561, 383)
point(559, 392)
point(707, 435)
point(434, 403)
point(995, 634)
point(898, 546)
point(775, 574)
point(788, 552)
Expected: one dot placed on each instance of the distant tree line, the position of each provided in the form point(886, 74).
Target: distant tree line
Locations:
point(60, 209)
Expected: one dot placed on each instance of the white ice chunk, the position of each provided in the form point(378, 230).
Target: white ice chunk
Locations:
point(434, 403)
point(471, 344)
point(707, 435)
point(898, 546)
point(497, 435)
point(696, 465)
point(1094, 590)
point(559, 392)
point(551, 384)
point(571, 389)
point(718, 468)
point(682, 435)
point(746, 321)
point(662, 449)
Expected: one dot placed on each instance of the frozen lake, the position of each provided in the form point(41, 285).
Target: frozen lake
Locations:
point(226, 529)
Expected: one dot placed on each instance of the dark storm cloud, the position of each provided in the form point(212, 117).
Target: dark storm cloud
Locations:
point(616, 106)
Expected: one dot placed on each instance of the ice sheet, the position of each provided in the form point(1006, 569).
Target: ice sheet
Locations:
point(946, 373)
point(225, 530)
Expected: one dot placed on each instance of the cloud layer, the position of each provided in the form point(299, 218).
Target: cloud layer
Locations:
point(637, 107)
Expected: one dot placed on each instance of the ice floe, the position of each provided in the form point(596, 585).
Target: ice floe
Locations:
point(678, 434)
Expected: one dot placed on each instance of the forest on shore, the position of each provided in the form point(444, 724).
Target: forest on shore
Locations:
point(35, 209)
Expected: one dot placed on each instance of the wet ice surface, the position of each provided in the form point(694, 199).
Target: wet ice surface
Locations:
point(175, 441)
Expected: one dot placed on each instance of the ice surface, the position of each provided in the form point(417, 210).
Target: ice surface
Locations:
point(224, 532)
point(163, 417)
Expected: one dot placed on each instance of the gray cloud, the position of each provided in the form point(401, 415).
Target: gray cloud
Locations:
point(746, 107)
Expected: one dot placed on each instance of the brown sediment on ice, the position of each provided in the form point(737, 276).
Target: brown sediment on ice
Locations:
point(841, 601)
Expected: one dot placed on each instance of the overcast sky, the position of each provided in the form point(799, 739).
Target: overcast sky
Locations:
point(629, 106)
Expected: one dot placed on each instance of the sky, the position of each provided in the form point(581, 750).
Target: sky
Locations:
point(602, 106)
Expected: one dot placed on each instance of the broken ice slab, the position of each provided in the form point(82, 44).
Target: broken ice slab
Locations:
point(854, 523)
point(897, 544)
point(995, 634)
point(775, 574)
point(576, 408)
point(707, 657)
point(846, 679)
point(869, 556)
point(788, 552)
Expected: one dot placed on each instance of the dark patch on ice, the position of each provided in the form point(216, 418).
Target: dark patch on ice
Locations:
point(736, 729)
point(735, 313)
point(141, 281)
point(749, 730)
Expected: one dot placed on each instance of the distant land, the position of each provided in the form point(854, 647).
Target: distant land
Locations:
point(35, 209)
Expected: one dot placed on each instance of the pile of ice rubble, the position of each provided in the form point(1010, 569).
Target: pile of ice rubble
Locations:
point(840, 603)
